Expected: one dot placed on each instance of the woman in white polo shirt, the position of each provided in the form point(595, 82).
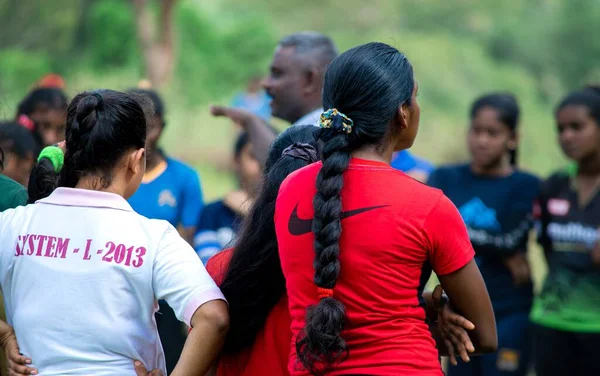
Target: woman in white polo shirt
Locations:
point(81, 272)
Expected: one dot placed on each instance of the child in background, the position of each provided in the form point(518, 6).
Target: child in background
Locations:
point(47, 109)
point(567, 311)
point(220, 220)
point(20, 151)
point(495, 199)
point(170, 189)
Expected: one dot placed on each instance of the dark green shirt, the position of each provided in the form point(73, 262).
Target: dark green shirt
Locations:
point(12, 194)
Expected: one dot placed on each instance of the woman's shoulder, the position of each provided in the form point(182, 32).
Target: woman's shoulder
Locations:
point(301, 178)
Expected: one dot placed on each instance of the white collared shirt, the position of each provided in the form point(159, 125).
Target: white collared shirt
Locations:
point(312, 118)
point(81, 275)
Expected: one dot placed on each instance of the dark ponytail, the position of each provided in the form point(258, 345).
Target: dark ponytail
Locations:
point(507, 107)
point(367, 85)
point(101, 126)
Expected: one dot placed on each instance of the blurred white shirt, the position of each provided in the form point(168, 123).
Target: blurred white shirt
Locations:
point(81, 275)
point(312, 118)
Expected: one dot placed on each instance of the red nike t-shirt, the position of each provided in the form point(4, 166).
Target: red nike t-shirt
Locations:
point(394, 231)
point(269, 355)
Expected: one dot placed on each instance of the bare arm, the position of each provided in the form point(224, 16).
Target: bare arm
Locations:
point(261, 134)
point(468, 294)
point(210, 323)
point(448, 328)
point(17, 364)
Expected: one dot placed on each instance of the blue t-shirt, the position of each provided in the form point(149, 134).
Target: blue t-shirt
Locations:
point(498, 215)
point(216, 229)
point(175, 196)
point(405, 162)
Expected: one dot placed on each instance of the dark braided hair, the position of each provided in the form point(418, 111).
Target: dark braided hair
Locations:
point(368, 84)
point(101, 126)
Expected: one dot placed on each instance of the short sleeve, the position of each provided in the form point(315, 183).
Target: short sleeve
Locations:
point(180, 278)
point(218, 264)
point(192, 200)
point(449, 246)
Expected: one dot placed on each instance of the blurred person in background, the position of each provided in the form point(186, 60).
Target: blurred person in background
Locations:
point(254, 99)
point(412, 165)
point(20, 151)
point(220, 220)
point(47, 109)
point(170, 190)
point(567, 311)
point(294, 85)
point(495, 199)
point(13, 193)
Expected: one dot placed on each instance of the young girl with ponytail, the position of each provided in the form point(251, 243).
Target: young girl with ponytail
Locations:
point(358, 240)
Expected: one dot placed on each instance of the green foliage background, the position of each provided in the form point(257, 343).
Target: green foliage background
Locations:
point(536, 49)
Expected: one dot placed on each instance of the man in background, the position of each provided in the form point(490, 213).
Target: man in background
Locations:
point(294, 85)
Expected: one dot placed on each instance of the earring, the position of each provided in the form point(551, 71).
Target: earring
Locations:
point(512, 145)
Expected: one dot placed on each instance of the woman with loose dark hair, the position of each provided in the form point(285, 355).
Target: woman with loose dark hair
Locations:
point(495, 199)
point(104, 266)
point(567, 310)
point(358, 239)
point(250, 274)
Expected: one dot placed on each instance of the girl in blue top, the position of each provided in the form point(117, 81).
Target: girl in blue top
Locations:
point(495, 200)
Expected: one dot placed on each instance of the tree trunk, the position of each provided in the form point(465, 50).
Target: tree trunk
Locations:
point(159, 56)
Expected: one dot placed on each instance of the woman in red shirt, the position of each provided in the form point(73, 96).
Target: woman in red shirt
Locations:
point(358, 239)
point(250, 276)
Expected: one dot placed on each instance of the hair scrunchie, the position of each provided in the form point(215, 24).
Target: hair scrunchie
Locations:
point(306, 152)
point(55, 155)
point(336, 120)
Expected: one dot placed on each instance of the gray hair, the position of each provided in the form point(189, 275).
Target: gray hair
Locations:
point(318, 48)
